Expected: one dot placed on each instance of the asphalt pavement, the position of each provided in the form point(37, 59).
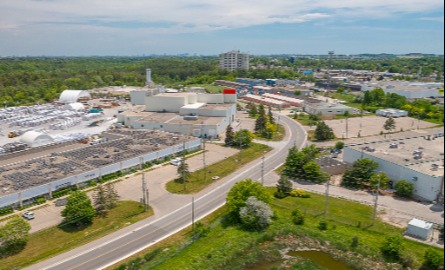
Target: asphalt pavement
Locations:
point(117, 246)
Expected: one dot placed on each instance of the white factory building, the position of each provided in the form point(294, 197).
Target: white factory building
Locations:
point(407, 89)
point(195, 114)
point(418, 160)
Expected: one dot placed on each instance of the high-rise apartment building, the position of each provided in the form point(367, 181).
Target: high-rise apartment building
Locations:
point(234, 60)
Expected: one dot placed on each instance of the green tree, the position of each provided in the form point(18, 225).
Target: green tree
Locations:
point(271, 117)
point(13, 236)
point(184, 172)
point(404, 189)
point(284, 187)
point(323, 132)
point(243, 138)
point(230, 136)
point(261, 122)
point(381, 177)
point(253, 111)
point(392, 248)
point(240, 193)
point(256, 215)
point(340, 145)
point(433, 260)
point(313, 173)
point(361, 172)
point(79, 209)
point(390, 124)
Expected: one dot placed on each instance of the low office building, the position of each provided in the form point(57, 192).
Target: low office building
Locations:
point(418, 160)
point(195, 114)
point(324, 108)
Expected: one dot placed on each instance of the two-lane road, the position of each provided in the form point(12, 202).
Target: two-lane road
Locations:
point(129, 243)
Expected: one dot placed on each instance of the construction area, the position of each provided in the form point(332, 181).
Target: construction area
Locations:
point(41, 171)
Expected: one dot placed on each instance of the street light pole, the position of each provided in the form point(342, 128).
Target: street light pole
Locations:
point(376, 200)
point(328, 184)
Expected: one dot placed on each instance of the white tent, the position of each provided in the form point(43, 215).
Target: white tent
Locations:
point(74, 107)
point(73, 96)
point(420, 229)
point(36, 139)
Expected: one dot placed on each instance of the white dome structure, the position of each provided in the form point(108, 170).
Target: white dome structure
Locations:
point(74, 107)
point(36, 139)
point(73, 96)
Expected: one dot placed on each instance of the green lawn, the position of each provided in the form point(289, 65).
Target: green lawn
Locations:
point(278, 136)
point(233, 248)
point(221, 169)
point(53, 241)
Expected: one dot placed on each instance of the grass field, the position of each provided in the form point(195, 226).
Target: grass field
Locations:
point(233, 248)
point(53, 241)
point(221, 169)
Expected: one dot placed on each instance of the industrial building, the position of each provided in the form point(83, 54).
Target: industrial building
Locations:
point(418, 160)
point(44, 170)
point(234, 60)
point(409, 90)
point(323, 108)
point(195, 114)
point(291, 101)
point(392, 113)
point(269, 102)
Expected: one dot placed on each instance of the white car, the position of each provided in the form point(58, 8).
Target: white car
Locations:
point(29, 215)
point(176, 161)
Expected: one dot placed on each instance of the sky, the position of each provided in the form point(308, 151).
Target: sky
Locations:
point(209, 27)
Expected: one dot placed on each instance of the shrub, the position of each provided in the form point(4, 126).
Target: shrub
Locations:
point(297, 217)
point(256, 215)
point(355, 242)
point(404, 189)
point(409, 261)
point(40, 200)
point(433, 260)
point(300, 194)
point(323, 225)
point(392, 247)
point(6, 211)
point(280, 195)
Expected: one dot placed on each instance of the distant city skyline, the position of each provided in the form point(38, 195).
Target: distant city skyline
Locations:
point(259, 27)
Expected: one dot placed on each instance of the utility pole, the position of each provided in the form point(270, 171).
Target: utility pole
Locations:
point(144, 186)
point(204, 159)
point(376, 200)
point(326, 206)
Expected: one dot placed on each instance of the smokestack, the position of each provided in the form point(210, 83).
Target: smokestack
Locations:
point(149, 81)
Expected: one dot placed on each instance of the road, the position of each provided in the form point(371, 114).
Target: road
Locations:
point(124, 243)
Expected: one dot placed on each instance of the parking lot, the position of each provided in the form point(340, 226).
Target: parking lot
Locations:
point(371, 125)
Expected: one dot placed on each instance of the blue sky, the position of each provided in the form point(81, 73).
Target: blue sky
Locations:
point(137, 27)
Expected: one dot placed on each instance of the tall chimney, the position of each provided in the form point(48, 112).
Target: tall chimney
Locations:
point(149, 80)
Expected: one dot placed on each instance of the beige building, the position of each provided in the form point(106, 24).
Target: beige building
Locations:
point(195, 114)
point(234, 60)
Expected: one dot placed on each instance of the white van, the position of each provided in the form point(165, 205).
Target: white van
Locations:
point(176, 161)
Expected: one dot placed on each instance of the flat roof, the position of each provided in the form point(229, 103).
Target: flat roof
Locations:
point(217, 106)
point(201, 120)
point(193, 106)
point(324, 105)
point(403, 155)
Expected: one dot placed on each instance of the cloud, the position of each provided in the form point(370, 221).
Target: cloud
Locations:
point(187, 16)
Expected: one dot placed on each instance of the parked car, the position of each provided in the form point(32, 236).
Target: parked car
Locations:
point(176, 161)
point(29, 215)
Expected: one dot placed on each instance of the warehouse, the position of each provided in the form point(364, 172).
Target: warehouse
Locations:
point(292, 101)
point(195, 114)
point(418, 160)
point(118, 151)
point(327, 109)
point(267, 101)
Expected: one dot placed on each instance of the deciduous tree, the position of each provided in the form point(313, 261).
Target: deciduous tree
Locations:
point(256, 215)
point(79, 209)
point(13, 236)
point(361, 172)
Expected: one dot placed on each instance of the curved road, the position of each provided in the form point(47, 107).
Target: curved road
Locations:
point(126, 243)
